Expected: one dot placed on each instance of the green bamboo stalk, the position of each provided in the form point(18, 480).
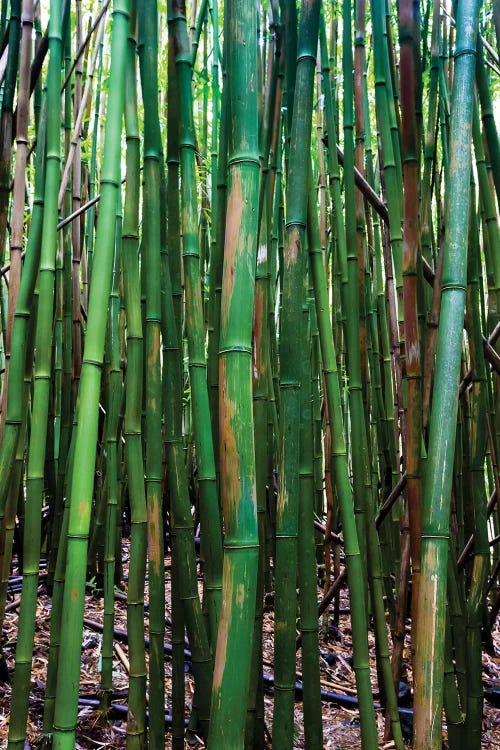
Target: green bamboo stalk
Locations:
point(133, 411)
point(44, 327)
point(64, 336)
point(492, 232)
point(451, 702)
point(66, 704)
point(479, 405)
point(181, 521)
point(209, 506)
point(114, 398)
point(237, 460)
point(429, 651)
point(218, 199)
point(57, 600)
point(385, 122)
point(489, 125)
point(173, 359)
point(351, 301)
point(374, 557)
point(148, 58)
point(268, 134)
point(289, 21)
point(390, 154)
point(75, 205)
point(344, 491)
point(313, 729)
point(427, 234)
point(3, 17)
point(20, 341)
point(198, 28)
point(361, 229)
point(14, 421)
point(173, 166)
point(294, 269)
point(260, 407)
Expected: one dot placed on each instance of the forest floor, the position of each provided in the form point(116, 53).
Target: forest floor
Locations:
point(95, 730)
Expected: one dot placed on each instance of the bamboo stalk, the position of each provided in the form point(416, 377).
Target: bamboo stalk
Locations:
point(65, 713)
point(237, 454)
point(148, 57)
point(431, 605)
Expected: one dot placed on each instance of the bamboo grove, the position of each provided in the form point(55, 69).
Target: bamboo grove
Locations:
point(250, 318)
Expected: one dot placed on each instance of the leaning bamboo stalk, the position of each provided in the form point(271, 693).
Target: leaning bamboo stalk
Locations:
point(488, 118)
point(84, 45)
point(89, 228)
point(75, 140)
point(31, 544)
point(39, 417)
point(19, 190)
point(344, 490)
point(429, 651)
point(17, 226)
point(66, 704)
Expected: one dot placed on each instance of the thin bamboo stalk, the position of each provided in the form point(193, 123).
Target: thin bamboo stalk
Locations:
point(134, 463)
point(27, 614)
point(209, 506)
point(408, 24)
point(148, 58)
point(66, 704)
point(172, 372)
point(344, 490)
point(114, 388)
point(19, 190)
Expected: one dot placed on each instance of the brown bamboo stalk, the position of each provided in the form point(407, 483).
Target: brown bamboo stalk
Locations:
point(83, 98)
point(408, 22)
point(83, 45)
point(19, 192)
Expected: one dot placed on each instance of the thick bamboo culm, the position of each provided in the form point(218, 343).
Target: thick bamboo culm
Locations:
point(249, 368)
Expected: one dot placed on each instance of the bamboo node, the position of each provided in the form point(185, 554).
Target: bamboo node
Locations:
point(465, 51)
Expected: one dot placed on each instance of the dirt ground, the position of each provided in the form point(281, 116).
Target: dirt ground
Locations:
point(340, 725)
